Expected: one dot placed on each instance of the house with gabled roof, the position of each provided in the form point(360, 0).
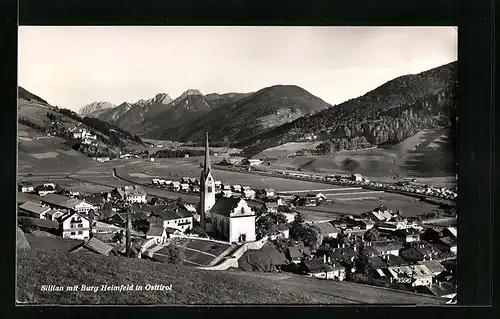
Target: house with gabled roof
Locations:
point(433, 265)
point(75, 225)
point(98, 246)
point(34, 210)
point(327, 229)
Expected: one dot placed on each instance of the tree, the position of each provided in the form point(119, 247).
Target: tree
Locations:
point(118, 236)
point(174, 255)
point(372, 235)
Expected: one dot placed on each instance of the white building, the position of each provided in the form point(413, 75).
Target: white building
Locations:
point(56, 201)
point(75, 226)
point(175, 218)
point(131, 194)
point(233, 220)
point(34, 210)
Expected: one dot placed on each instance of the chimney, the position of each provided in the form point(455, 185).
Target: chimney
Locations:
point(329, 259)
point(355, 248)
point(324, 258)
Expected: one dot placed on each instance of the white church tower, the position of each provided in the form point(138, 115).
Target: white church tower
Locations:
point(207, 187)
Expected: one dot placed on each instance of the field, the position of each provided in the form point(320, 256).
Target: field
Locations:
point(288, 149)
point(189, 286)
point(428, 154)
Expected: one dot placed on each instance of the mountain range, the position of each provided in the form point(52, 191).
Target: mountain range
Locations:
point(284, 113)
point(235, 115)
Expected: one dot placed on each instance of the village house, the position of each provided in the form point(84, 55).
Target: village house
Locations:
point(408, 235)
point(236, 188)
point(195, 188)
point(157, 232)
point(43, 190)
point(317, 268)
point(418, 252)
point(252, 162)
point(415, 275)
point(446, 244)
point(327, 229)
point(97, 246)
point(184, 187)
point(54, 214)
point(26, 187)
point(282, 232)
point(67, 203)
point(131, 194)
point(294, 255)
point(434, 266)
point(171, 217)
point(218, 184)
point(270, 207)
point(175, 186)
point(379, 216)
point(226, 193)
point(248, 193)
point(356, 177)
point(34, 210)
point(75, 226)
point(233, 220)
point(388, 247)
point(118, 219)
point(343, 253)
point(267, 193)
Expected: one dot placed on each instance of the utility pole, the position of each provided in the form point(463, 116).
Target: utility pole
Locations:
point(128, 241)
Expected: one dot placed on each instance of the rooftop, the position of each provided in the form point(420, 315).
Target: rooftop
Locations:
point(98, 246)
point(34, 207)
point(225, 206)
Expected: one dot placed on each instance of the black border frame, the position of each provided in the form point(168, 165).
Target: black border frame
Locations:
point(475, 20)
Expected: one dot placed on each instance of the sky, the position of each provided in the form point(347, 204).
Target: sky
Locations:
point(73, 66)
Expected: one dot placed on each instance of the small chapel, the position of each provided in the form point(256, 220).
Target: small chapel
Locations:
point(230, 219)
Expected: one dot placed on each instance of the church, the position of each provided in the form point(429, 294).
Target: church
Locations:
point(231, 219)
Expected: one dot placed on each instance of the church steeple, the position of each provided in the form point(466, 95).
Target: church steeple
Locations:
point(207, 189)
point(206, 167)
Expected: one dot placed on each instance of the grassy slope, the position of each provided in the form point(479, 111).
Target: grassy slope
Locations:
point(189, 286)
point(424, 154)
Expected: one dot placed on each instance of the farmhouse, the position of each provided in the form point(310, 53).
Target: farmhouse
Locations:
point(270, 207)
point(176, 218)
point(157, 232)
point(248, 192)
point(252, 162)
point(294, 255)
point(418, 252)
point(54, 214)
point(434, 266)
point(416, 275)
point(317, 268)
point(34, 210)
point(327, 229)
point(67, 203)
point(97, 246)
point(356, 177)
point(43, 190)
point(236, 188)
point(26, 187)
point(131, 194)
point(75, 226)
point(282, 232)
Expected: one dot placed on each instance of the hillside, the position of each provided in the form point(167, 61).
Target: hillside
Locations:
point(189, 286)
point(23, 94)
point(95, 108)
point(388, 114)
point(45, 140)
point(239, 119)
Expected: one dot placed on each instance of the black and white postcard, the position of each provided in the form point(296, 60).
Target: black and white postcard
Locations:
point(195, 165)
